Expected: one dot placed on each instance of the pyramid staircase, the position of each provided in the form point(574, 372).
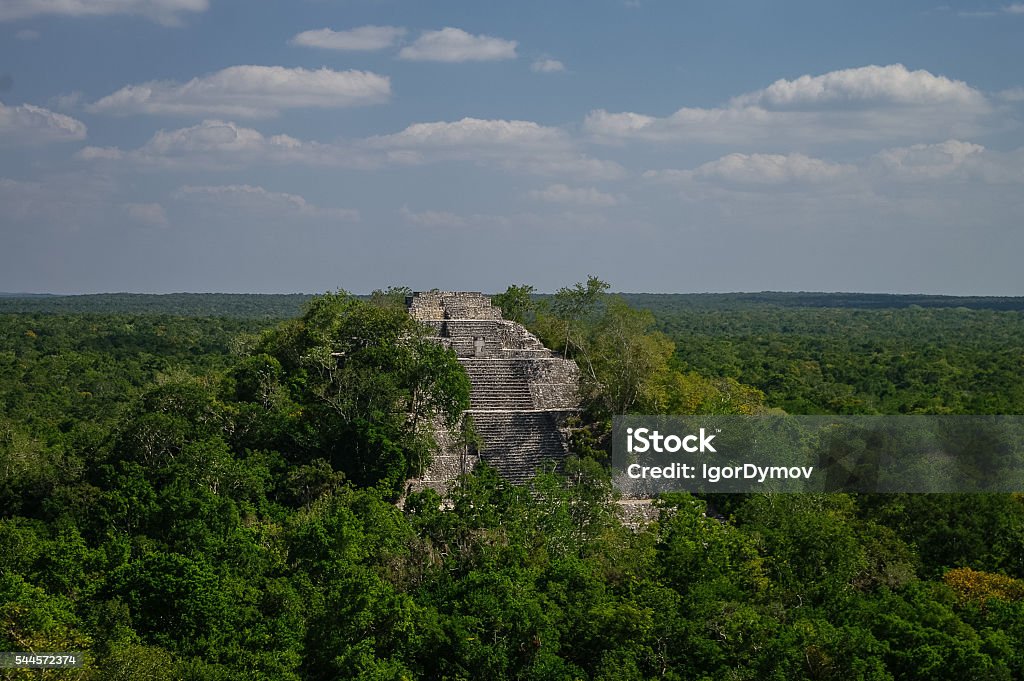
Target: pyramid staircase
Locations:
point(521, 392)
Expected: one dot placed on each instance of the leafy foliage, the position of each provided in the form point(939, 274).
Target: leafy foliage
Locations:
point(205, 498)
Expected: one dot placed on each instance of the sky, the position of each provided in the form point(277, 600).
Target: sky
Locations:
point(662, 145)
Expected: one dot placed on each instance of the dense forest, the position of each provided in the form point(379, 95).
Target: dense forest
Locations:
point(210, 487)
point(287, 305)
point(852, 361)
point(233, 305)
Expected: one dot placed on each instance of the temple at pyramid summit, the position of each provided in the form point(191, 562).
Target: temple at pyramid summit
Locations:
point(521, 393)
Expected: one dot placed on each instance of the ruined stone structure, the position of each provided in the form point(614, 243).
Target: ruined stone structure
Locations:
point(521, 392)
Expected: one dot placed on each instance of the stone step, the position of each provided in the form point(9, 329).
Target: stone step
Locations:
point(510, 374)
point(501, 401)
point(473, 327)
point(516, 444)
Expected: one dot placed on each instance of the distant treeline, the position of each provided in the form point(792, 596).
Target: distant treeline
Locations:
point(669, 302)
point(857, 361)
point(289, 305)
point(237, 305)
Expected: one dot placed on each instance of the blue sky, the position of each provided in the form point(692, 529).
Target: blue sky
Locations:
point(215, 145)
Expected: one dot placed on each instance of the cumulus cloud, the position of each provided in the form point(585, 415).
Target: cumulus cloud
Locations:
point(432, 218)
point(518, 146)
point(219, 137)
point(953, 161)
point(62, 202)
point(569, 217)
point(580, 196)
point(928, 160)
point(100, 154)
point(364, 38)
point(862, 104)
point(451, 220)
point(765, 169)
point(569, 165)
point(217, 144)
point(1015, 8)
point(249, 92)
point(148, 214)
point(515, 145)
point(29, 124)
point(935, 168)
point(547, 66)
point(69, 100)
point(1013, 94)
point(455, 45)
point(945, 192)
point(259, 200)
point(893, 84)
point(164, 11)
point(214, 135)
point(474, 132)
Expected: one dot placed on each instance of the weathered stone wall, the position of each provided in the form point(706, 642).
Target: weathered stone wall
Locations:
point(449, 462)
point(431, 305)
point(521, 392)
point(554, 384)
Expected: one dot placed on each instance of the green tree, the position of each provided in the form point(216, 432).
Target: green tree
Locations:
point(515, 303)
point(369, 385)
point(629, 359)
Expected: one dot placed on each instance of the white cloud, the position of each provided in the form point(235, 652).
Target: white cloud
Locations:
point(217, 144)
point(937, 191)
point(148, 214)
point(455, 45)
point(517, 146)
point(766, 169)
point(869, 103)
point(100, 154)
point(938, 170)
point(249, 92)
point(580, 196)
point(893, 84)
point(212, 135)
point(29, 124)
point(59, 203)
point(928, 160)
point(364, 38)
point(547, 66)
point(952, 161)
point(577, 166)
point(432, 218)
point(164, 11)
point(1014, 94)
point(69, 100)
point(256, 199)
point(448, 219)
point(1015, 8)
point(27, 34)
point(523, 146)
point(472, 131)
